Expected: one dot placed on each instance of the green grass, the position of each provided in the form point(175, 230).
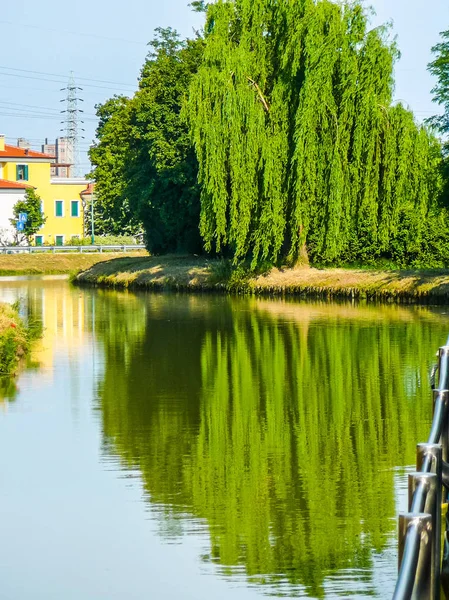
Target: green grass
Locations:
point(55, 264)
point(15, 338)
point(198, 274)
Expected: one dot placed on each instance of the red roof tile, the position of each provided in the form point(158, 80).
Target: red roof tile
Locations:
point(89, 190)
point(15, 152)
point(13, 185)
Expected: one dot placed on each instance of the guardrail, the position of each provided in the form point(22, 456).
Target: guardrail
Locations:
point(108, 248)
point(422, 530)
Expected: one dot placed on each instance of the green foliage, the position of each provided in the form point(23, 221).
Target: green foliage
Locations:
point(199, 5)
point(439, 68)
point(235, 277)
point(32, 206)
point(276, 139)
point(145, 166)
point(297, 139)
point(8, 352)
point(112, 212)
point(15, 337)
point(103, 240)
point(162, 170)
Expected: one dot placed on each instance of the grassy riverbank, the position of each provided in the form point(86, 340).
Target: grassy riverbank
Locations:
point(54, 264)
point(200, 274)
point(15, 338)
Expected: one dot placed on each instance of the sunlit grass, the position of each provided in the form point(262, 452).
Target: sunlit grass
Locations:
point(52, 264)
point(202, 274)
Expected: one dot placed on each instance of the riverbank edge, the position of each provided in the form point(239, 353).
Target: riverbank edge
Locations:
point(199, 275)
point(60, 263)
point(15, 339)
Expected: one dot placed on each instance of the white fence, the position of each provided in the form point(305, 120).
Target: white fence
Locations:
point(33, 249)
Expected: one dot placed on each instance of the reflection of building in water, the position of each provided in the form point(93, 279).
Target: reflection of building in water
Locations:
point(60, 308)
point(62, 311)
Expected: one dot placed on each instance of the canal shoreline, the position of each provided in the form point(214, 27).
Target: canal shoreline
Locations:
point(197, 274)
point(58, 263)
point(15, 339)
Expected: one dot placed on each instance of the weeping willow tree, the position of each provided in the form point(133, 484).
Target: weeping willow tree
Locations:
point(297, 139)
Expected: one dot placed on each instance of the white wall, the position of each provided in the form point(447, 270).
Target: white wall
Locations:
point(7, 200)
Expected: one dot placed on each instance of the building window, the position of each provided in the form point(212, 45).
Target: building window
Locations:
point(21, 172)
point(59, 208)
point(75, 209)
point(59, 240)
point(39, 240)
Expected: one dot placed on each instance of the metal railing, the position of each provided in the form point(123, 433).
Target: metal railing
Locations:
point(104, 248)
point(422, 530)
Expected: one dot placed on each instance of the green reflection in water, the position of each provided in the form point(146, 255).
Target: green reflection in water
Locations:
point(279, 425)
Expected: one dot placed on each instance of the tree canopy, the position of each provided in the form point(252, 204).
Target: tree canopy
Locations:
point(162, 167)
point(439, 68)
point(32, 206)
point(273, 136)
point(112, 212)
point(297, 138)
point(145, 165)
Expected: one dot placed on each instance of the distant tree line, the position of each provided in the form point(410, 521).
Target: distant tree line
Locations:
point(273, 136)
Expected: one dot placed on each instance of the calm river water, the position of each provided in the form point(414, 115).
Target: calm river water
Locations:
point(196, 447)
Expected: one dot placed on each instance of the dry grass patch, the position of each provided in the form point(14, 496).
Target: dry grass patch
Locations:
point(149, 272)
point(195, 273)
point(57, 263)
point(360, 283)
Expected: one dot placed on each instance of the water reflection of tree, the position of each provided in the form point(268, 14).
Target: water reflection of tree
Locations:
point(280, 430)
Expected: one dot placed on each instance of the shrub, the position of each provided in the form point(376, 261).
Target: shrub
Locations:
point(103, 240)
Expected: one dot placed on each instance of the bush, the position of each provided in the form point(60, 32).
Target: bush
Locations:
point(13, 338)
point(104, 240)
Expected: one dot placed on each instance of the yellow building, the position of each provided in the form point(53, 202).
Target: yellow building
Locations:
point(61, 198)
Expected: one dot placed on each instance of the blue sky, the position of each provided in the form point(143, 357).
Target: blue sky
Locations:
point(104, 44)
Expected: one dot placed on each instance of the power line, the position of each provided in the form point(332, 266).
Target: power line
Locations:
point(42, 117)
point(101, 87)
point(29, 116)
point(13, 104)
point(77, 33)
point(57, 90)
point(34, 89)
point(55, 110)
point(63, 76)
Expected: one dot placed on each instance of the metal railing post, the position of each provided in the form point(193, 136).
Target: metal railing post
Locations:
point(430, 456)
point(415, 557)
point(423, 567)
point(443, 368)
point(441, 403)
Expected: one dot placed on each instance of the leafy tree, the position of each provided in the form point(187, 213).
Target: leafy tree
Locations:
point(161, 169)
point(199, 6)
point(440, 69)
point(32, 206)
point(296, 136)
point(112, 213)
point(145, 165)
